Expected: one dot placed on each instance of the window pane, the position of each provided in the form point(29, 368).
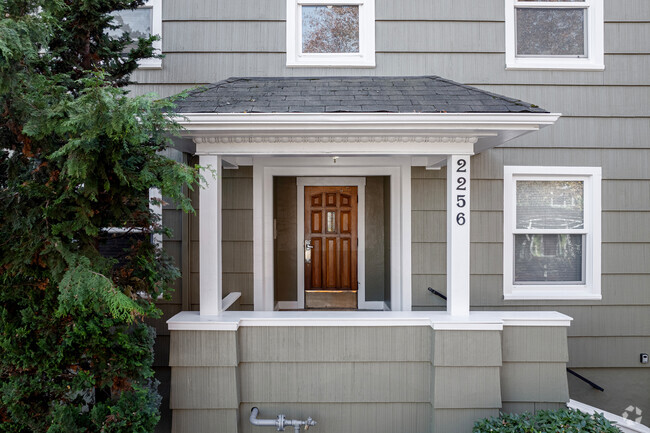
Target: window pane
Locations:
point(548, 31)
point(548, 258)
point(137, 22)
point(582, 1)
point(550, 204)
point(331, 222)
point(330, 29)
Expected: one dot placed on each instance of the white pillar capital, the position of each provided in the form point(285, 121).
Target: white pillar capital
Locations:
point(210, 266)
point(458, 234)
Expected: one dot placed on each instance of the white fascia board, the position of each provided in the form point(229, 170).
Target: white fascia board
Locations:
point(375, 123)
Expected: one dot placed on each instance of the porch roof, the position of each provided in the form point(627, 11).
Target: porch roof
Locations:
point(423, 94)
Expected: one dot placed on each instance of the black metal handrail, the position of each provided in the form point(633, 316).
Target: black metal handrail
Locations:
point(437, 293)
point(584, 379)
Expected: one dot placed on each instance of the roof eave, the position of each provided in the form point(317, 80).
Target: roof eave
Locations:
point(490, 129)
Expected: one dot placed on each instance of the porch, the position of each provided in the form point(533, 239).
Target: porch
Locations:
point(387, 370)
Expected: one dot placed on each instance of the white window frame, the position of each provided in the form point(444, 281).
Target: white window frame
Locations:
point(590, 287)
point(156, 29)
point(365, 58)
point(594, 38)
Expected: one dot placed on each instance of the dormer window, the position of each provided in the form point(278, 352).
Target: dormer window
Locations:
point(337, 33)
point(552, 34)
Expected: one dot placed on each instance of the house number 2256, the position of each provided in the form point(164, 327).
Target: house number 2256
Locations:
point(461, 191)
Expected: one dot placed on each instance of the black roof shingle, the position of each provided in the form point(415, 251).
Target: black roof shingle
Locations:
point(427, 94)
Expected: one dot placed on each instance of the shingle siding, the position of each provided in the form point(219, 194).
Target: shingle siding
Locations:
point(606, 122)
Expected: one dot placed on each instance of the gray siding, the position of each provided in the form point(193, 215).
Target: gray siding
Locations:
point(362, 379)
point(416, 37)
point(606, 122)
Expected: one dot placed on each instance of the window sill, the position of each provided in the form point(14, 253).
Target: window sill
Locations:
point(551, 293)
point(150, 64)
point(548, 66)
point(358, 62)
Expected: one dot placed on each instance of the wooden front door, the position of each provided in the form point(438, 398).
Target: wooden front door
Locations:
point(330, 248)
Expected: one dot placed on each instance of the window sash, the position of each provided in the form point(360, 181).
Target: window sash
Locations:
point(583, 266)
point(552, 5)
point(299, 29)
point(593, 58)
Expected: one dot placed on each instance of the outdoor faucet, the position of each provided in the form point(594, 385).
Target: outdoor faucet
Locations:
point(280, 422)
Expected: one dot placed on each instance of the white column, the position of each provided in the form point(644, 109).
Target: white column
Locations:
point(210, 236)
point(458, 235)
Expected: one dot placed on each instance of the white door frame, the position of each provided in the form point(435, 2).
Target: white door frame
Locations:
point(399, 171)
point(360, 183)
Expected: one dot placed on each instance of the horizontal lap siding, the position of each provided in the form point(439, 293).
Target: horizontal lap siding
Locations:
point(466, 381)
point(368, 379)
point(313, 382)
point(606, 122)
point(347, 417)
point(335, 364)
point(335, 344)
point(482, 70)
point(534, 365)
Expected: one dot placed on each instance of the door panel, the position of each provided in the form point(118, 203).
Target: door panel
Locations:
point(331, 232)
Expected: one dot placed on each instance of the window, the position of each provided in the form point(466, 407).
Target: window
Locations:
point(142, 23)
point(337, 33)
point(554, 34)
point(551, 226)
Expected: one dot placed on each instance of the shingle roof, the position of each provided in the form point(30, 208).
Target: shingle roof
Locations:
point(429, 94)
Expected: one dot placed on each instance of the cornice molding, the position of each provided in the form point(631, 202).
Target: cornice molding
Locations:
point(333, 139)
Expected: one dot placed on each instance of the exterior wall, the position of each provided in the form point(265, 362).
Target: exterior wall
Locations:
point(466, 380)
point(462, 40)
point(605, 123)
point(362, 379)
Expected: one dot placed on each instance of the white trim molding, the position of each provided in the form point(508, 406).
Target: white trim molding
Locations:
point(210, 218)
point(414, 134)
point(156, 29)
point(593, 60)
point(399, 171)
point(365, 58)
point(590, 287)
point(458, 234)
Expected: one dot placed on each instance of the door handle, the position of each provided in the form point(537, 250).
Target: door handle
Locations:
point(308, 248)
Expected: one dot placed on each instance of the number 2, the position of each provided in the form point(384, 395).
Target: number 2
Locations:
point(461, 166)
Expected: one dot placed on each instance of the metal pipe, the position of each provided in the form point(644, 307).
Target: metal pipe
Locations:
point(261, 422)
point(280, 422)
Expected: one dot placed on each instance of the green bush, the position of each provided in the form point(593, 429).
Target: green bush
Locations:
point(546, 421)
